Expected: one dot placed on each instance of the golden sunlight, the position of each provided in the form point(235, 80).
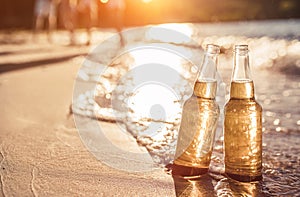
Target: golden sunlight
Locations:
point(146, 1)
point(156, 33)
point(160, 107)
point(103, 1)
point(157, 97)
point(157, 55)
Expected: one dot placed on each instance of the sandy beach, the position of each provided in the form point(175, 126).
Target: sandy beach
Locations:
point(41, 151)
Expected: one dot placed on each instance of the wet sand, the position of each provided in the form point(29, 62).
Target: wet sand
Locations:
point(41, 151)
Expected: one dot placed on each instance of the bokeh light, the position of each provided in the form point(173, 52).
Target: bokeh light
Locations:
point(103, 1)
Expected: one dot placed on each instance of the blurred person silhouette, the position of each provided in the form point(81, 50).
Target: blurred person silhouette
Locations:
point(116, 12)
point(88, 9)
point(68, 15)
point(71, 13)
point(45, 14)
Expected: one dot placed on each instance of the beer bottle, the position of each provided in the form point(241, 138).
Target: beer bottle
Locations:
point(199, 121)
point(242, 123)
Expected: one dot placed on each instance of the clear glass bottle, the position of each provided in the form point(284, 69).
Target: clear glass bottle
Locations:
point(242, 123)
point(199, 121)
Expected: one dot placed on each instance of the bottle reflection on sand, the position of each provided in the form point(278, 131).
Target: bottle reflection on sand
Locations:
point(230, 187)
point(199, 187)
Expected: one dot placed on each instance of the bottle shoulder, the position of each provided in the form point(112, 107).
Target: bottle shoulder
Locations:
point(199, 100)
point(242, 105)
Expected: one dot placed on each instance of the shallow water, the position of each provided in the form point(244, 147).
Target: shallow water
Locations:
point(151, 112)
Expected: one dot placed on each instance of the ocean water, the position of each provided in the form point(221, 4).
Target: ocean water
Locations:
point(143, 85)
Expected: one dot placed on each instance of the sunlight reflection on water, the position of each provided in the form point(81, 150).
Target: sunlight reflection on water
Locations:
point(155, 33)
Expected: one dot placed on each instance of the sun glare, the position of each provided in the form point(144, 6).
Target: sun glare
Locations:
point(146, 1)
point(182, 33)
point(157, 56)
point(156, 94)
point(103, 1)
point(154, 101)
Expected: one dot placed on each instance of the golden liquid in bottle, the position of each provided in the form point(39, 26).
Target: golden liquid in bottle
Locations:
point(197, 131)
point(243, 133)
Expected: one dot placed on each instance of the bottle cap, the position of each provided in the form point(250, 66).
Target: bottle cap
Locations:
point(241, 49)
point(212, 48)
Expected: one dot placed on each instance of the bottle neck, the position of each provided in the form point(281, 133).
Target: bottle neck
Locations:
point(209, 67)
point(206, 83)
point(242, 86)
point(241, 70)
point(242, 89)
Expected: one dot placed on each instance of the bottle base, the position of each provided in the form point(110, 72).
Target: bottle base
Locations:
point(188, 172)
point(243, 178)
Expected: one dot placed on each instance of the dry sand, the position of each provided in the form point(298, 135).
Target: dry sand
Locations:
point(41, 151)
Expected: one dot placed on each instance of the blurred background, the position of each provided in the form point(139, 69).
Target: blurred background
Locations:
point(20, 13)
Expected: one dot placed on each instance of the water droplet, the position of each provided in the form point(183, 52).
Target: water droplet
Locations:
point(276, 122)
point(278, 129)
point(107, 96)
